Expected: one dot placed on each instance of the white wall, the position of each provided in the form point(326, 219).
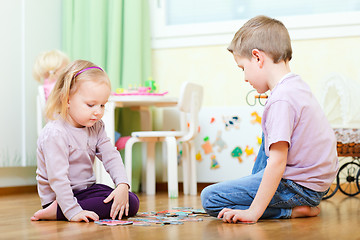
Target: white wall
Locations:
point(215, 68)
point(28, 28)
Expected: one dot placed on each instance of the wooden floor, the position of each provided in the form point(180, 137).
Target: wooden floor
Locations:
point(339, 219)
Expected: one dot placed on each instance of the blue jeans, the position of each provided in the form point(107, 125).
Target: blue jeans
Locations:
point(239, 193)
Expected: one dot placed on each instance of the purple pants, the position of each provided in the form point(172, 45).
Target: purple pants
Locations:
point(92, 199)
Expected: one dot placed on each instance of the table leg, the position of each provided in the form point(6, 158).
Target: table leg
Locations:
point(109, 120)
point(146, 125)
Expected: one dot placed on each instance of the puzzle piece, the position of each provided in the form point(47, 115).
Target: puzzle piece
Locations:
point(175, 216)
point(110, 222)
point(141, 224)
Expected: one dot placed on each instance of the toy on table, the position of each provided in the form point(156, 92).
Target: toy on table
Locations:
point(144, 91)
point(150, 83)
point(150, 88)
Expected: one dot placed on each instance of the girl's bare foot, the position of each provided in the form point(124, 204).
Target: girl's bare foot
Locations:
point(305, 211)
point(48, 213)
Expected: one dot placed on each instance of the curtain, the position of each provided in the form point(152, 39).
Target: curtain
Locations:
point(114, 34)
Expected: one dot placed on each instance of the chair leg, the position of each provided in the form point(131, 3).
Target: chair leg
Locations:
point(128, 157)
point(150, 169)
point(186, 167)
point(192, 163)
point(173, 190)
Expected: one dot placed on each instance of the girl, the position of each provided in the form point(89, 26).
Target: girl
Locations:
point(47, 68)
point(68, 145)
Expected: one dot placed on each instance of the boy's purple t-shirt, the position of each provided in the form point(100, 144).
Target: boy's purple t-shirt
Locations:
point(292, 114)
point(65, 158)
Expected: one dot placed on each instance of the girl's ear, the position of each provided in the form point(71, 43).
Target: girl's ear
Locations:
point(258, 56)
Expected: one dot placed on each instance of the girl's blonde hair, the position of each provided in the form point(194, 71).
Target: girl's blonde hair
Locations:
point(68, 84)
point(48, 63)
point(265, 34)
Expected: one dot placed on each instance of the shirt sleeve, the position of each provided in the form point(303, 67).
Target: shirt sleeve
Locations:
point(56, 157)
point(279, 123)
point(110, 157)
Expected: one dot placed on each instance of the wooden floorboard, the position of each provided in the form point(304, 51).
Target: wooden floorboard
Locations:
point(339, 219)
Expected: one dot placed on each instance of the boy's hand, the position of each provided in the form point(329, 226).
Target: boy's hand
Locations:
point(233, 216)
point(121, 201)
point(85, 216)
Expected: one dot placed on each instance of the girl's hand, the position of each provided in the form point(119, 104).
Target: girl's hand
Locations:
point(121, 201)
point(85, 216)
point(233, 216)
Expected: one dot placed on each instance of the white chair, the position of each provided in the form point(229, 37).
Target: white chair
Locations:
point(40, 105)
point(189, 106)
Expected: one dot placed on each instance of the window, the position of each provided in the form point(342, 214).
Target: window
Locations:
point(179, 23)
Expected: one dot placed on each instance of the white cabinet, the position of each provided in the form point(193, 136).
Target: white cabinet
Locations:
point(228, 142)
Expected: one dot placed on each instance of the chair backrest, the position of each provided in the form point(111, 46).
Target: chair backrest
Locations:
point(190, 102)
point(40, 105)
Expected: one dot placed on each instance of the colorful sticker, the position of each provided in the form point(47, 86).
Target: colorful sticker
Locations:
point(214, 163)
point(236, 153)
point(207, 146)
point(249, 151)
point(198, 156)
point(219, 142)
point(257, 118)
point(231, 122)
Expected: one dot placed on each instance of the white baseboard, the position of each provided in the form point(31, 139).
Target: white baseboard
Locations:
point(17, 176)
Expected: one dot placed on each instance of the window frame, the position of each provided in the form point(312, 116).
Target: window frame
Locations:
point(301, 27)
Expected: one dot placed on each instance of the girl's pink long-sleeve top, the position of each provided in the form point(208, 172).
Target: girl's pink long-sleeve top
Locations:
point(65, 158)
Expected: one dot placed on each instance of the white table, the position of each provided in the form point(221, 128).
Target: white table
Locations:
point(141, 103)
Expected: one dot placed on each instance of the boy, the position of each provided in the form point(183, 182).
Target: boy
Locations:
point(297, 161)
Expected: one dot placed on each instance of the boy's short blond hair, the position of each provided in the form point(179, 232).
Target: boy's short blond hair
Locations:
point(68, 84)
point(265, 34)
point(48, 63)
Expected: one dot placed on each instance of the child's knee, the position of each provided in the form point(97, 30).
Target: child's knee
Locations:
point(205, 195)
point(206, 202)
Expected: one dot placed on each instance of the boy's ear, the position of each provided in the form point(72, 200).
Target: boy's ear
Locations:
point(258, 56)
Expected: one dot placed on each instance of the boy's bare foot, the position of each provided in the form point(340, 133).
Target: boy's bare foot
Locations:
point(48, 213)
point(305, 211)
